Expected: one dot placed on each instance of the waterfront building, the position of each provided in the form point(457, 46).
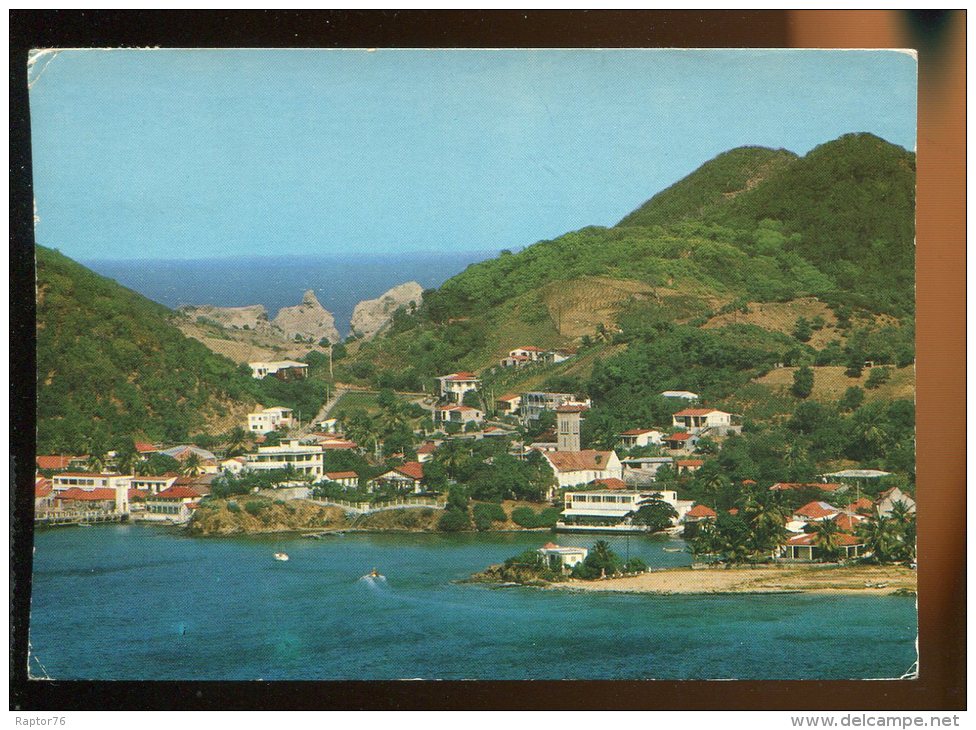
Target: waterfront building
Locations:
point(613, 508)
point(563, 559)
point(281, 369)
point(306, 459)
point(270, 419)
point(573, 468)
point(804, 547)
point(405, 478)
point(59, 462)
point(175, 504)
point(698, 513)
point(43, 494)
point(153, 484)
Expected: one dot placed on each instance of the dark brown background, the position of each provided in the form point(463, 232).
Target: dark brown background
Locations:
point(939, 37)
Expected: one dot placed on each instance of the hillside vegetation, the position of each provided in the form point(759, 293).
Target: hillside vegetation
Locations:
point(110, 365)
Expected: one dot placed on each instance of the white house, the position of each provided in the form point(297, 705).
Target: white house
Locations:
point(455, 385)
point(457, 414)
point(234, 465)
point(613, 507)
point(284, 369)
point(534, 403)
point(682, 394)
point(175, 504)
point(329, 425)
point(406, 478)
point(89, 480)
point(635, 437)
point(573, 468)
point(508, 404)
point(645, 464)
point(306, 459)
point(153, 484)
point(560, 558)
point(887, 499)
point(522, 356)
point(270, 419)
point(696, 420)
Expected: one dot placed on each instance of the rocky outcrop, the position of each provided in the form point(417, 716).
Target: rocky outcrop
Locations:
point(309, 320)
point(373, 315)
point(253, 317)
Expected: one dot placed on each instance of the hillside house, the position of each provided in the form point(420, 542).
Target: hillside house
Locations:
point(522, 356)
point(454, 386)
point(508, 404)
point(344, 478)
point(145, 450)
point(557, 356)
point(696, 420)
point(815, 512)
point(234, 465)
point(101, 499)
point(207, 460)
point(642, 470)
point(425, 452)
point(699, 513)
point(680, 442)
point(305, 458)
point(680, 394)
point(639, 437)
point(270, 419)
point(59, 463)
point(573, 468)
point(281, 369)
point(405, 478)
point(688, 466)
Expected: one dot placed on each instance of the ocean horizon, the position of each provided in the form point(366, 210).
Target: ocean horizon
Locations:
point(339, 281)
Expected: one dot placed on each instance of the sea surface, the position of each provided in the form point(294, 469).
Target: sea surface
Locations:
point(139, 602)
point(339, 282)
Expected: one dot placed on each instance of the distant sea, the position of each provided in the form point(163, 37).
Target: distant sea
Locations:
point(339, 282)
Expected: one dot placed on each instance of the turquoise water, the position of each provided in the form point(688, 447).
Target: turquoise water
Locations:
point(136, 602)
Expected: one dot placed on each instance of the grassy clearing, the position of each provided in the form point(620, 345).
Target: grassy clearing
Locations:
point(830, 382)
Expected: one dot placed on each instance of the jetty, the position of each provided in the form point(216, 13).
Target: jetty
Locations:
point(73, 517)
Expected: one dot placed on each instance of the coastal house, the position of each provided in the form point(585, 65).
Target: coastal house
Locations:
point(454, 386)
point(86, 480)
point(680, 394)
point(344, 478)
point(573, 468)
point(860, 506)
point(508, 404)
point(306, 459)
point(557, 356)
point(562, 559)
point(699, 513)
point(888, 498)
point(175, 504)
point(270, 419)
point(537, 402)
point(43, 494)
point(806, 547)
point(459, 414)
point(329, 425)
point(405, 478)
point(281, 369)
point(522, 356)
point(696, 420)
point(645, 466)
point(639, 437)
point(613, 508)
point(610, 483)
point(153, 484)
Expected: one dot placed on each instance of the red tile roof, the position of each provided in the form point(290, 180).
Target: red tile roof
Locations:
point(460, 376)
point(697, 411)
point(42, 488)
point(178, 492)
point(816, 510)
point(701, 511)
point(144, 448)
point(91, 495)
point(333, 475)
point(847, 523)
point(588, 460)
point(427, 448)
point(137, 494)
point(55, 462)
point(689, 463)
point(412, 469)
point(677, 437)
point(610, 483)
point(734, 511)
point(87, 474)
point(637, 431)
point(510, 396)
point(862, 505)
point(339, 445)
point(810, 538)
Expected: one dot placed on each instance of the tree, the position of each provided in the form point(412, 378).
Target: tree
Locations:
point(236, 439)
point(471, 399)
point(802, 382)
point(880, 537)
point(193, 465)
point(826, 536)
point(802, 330)
point(877, 377)
point(600, 561)
point(852, 399)
point(655, 514)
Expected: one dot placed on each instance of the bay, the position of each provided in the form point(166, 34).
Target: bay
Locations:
point(145, 603)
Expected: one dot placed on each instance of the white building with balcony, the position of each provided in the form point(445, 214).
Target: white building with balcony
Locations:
point(305, 458)
point(270, 419)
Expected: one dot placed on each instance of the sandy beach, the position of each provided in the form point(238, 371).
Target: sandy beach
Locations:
point(806, 578)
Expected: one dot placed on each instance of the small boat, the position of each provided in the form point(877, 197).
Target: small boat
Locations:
point(375, 575)
point(672, 550)
point(281, 556)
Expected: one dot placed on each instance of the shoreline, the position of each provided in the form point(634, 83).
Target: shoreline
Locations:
point(774, 579)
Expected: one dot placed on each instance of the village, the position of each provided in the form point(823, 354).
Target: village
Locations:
point(595, 491)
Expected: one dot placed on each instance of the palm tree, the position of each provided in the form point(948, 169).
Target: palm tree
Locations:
point(95, 462)
point(767, 517)
point(192, 466)
point(713, 485)
point(879, 537)
point(454, 455)
point(827, 533)
point(235, 441)
point(126, 460)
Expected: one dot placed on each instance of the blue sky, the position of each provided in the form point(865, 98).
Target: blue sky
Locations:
point(193, 154)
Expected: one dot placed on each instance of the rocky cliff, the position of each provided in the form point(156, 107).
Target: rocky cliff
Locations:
point(372, 315)
point(308, 319)
point(253, 317)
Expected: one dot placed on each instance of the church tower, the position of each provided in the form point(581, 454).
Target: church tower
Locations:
point(568, 427)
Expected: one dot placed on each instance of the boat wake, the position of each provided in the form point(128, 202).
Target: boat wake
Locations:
point(374, 580)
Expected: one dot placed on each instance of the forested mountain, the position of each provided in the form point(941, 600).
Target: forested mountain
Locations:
point(752, 225)
point(110, 364)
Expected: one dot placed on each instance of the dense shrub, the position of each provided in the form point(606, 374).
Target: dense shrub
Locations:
point(487, 512)
point(454, 520)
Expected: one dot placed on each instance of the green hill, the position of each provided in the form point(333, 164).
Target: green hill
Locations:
point(712, 185)
point(752, 225)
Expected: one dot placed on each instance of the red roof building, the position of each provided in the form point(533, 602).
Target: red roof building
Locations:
point(823, 487)
point(609, 483)
point(144, 448)
point(861, 506)
point(42, 488)
point(412, 469)
point(75, 494)
point(56, 463)
point(178, 491)
point(816, 511)
point(700, 512)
